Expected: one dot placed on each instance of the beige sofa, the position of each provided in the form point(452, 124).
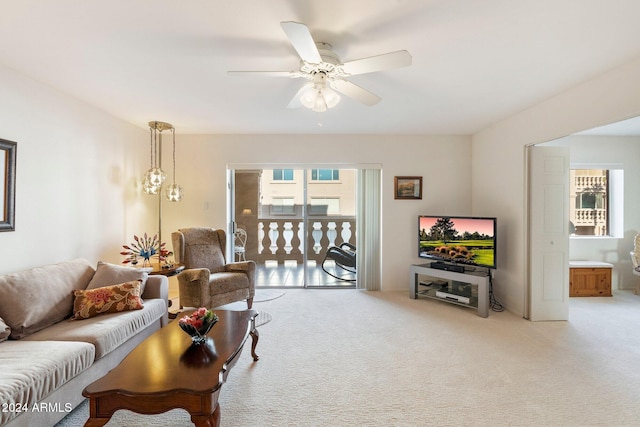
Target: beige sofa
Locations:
point(46, 359)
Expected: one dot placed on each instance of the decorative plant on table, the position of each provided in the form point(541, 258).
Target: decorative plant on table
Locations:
point(198, 324)
point(143, 247)
point(164, 258)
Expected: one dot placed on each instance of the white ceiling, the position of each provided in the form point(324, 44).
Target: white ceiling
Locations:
point(474, 62)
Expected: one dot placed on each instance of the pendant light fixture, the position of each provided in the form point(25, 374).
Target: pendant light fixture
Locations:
point(154, 177)
point(174, 191)
point(147, 186)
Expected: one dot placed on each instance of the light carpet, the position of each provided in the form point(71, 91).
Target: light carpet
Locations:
point(263, 295)
point(353, 358)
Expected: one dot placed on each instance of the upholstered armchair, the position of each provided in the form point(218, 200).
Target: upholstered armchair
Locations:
point(208, 280)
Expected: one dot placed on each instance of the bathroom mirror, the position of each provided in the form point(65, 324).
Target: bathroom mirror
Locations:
point(7, 185)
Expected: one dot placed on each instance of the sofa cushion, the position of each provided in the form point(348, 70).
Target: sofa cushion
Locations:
point(33, 370)
point(5, 330)
point(111, 274)
point(34, 299)
point(108, 299)
point(106, 332)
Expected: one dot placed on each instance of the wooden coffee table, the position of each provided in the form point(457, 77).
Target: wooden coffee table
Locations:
point(166, 372)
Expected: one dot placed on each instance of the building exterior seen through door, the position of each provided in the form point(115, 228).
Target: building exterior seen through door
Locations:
point(292, 217)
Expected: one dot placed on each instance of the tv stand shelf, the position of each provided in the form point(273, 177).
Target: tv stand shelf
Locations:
point(448, 288)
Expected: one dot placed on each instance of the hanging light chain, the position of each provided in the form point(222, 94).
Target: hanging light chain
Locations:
point(151, 164)
point(173, 131)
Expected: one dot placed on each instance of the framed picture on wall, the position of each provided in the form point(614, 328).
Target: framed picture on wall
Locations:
point(7, 185)
point(407, 187)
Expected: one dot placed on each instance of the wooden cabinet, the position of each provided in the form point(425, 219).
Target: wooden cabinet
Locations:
point(589, 279)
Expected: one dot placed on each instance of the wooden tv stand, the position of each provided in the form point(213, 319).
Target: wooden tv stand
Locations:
point(478, 280)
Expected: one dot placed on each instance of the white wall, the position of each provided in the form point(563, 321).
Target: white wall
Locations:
point(443, 161)
point(498, 154)
point(76, 175)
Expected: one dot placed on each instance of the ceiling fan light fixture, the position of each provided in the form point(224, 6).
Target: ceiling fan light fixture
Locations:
point(320, 105)
point(308, 97)
point(319, 96)
point(331, 97)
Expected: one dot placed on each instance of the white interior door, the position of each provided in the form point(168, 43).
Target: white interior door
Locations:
point(548, 226)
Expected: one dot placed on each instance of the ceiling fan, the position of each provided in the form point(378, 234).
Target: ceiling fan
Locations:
point(326, 73)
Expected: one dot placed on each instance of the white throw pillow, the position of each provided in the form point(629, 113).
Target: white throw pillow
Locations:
point(112, 274)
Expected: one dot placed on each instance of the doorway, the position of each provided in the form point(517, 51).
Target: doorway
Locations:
point(291, 218)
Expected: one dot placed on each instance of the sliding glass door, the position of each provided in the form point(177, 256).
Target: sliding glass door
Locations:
point(292, 217)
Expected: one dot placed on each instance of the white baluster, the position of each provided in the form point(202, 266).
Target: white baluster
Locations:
point(346, 232)
point(260, 236)
point(287, 233)
point(273, 236)
point(331, 233)
point(316, 234)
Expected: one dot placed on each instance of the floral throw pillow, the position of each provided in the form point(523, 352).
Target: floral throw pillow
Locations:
point(5, 330)
point(108, 299)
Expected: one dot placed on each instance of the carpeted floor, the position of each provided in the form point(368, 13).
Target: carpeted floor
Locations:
point(263, 295)
point(354, 358)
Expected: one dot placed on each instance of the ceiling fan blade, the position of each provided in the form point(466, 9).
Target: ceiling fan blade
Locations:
point(386, 61)
point(263, 73)
point(354, 91)
point(302, 42)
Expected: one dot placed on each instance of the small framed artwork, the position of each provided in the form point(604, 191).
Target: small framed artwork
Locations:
point(408, 187)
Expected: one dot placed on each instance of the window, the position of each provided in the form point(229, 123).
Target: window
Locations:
point(325, 174)
point(595, 200)
point(591, 200)
point(283, 174)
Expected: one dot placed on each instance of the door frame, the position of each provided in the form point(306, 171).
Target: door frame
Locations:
point(306, 219)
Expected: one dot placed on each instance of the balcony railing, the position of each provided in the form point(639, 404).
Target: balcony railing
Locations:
point(282, 239)
point(588, 217)
point(584, 183)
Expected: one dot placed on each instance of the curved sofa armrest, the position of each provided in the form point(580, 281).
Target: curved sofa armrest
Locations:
point(156, 287)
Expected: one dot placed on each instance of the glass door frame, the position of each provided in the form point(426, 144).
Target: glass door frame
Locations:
point(306, 221)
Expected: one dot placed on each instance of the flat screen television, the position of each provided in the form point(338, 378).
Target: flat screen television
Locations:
point(469, 241)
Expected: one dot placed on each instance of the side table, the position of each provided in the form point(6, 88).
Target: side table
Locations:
point(166, 271)
point(159, 270)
